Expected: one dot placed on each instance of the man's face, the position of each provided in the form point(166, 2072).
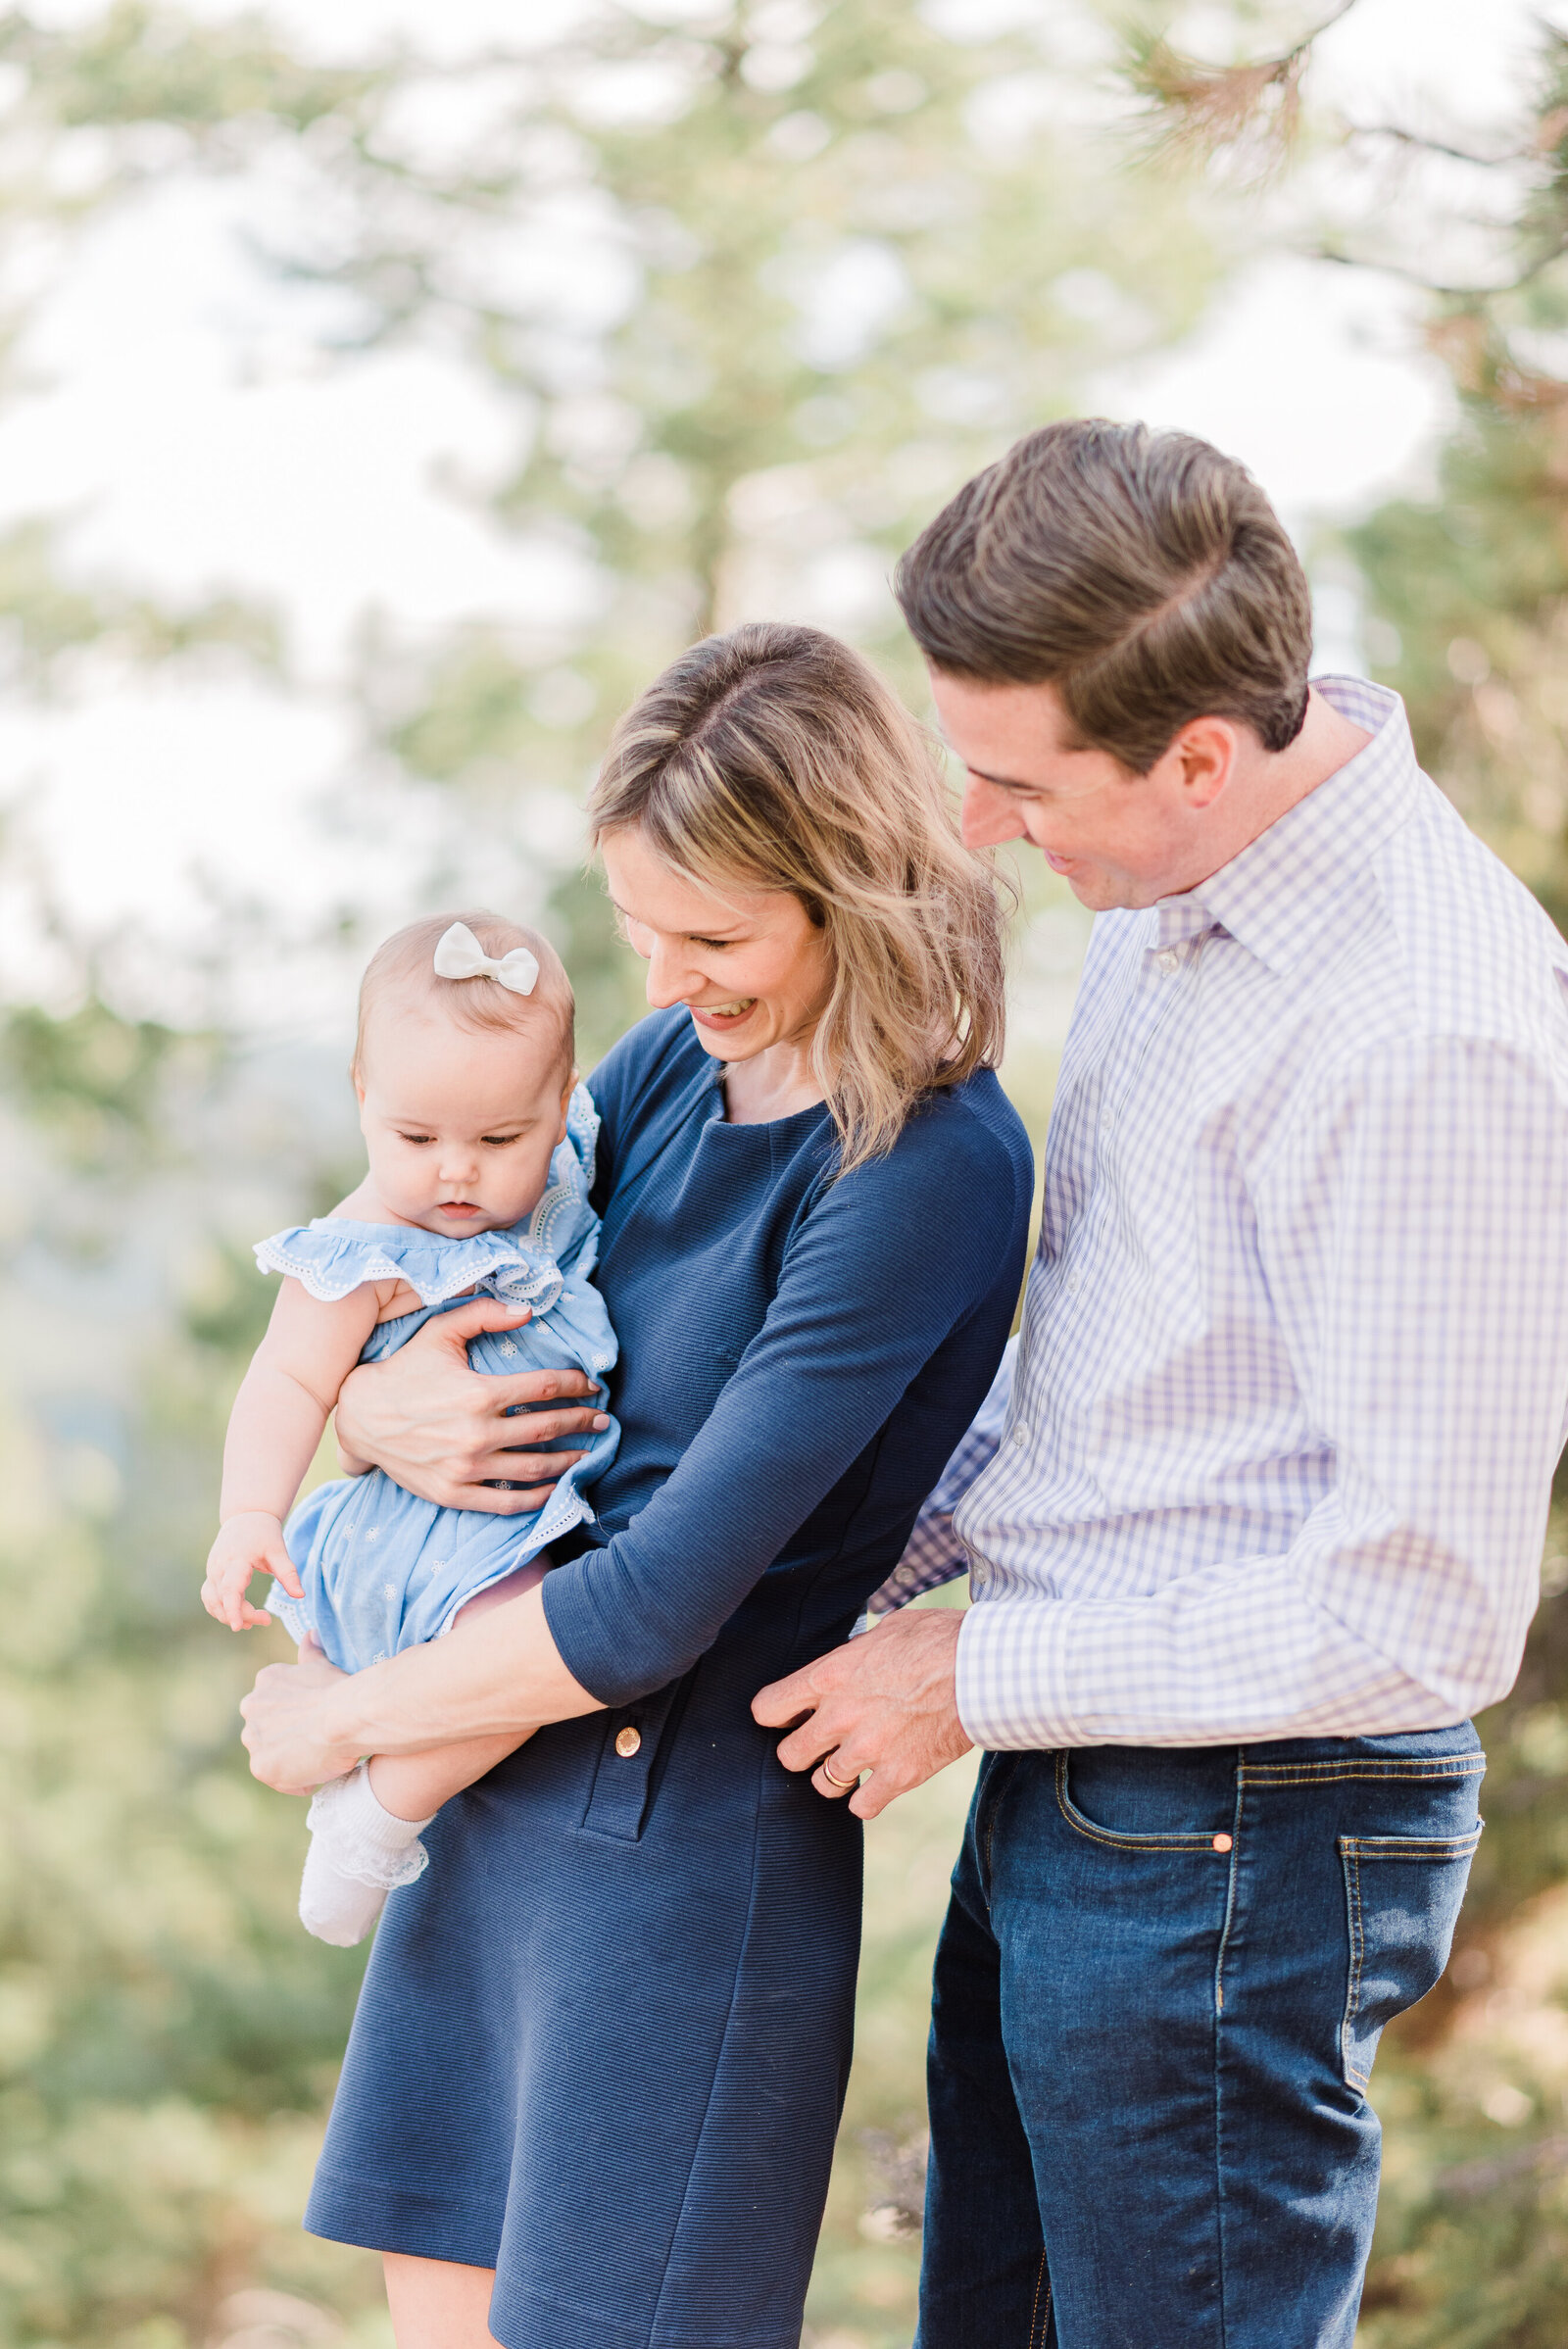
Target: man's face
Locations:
point(1117, 839)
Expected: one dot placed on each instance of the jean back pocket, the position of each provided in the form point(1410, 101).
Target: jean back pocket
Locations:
point(1402, 1894)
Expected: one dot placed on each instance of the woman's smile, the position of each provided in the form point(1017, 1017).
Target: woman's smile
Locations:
point(723, 1015)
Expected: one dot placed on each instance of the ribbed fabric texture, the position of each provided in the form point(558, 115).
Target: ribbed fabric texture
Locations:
point(603, 2042)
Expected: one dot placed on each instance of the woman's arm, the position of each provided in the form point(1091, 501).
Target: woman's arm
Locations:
point(500, 1675)
point(883, 1270)
point(886, 1267)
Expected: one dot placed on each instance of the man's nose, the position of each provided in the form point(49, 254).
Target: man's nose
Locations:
point(988, 816)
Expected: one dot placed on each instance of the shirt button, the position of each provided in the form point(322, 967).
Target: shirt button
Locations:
point(1021, 1437)
point(1223, 1843)
point(1109, 1122)
point(1071, 1284)
point(1168, 958)
point(628, 1740)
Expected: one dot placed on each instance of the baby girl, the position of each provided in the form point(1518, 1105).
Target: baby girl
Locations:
point(481, 1153)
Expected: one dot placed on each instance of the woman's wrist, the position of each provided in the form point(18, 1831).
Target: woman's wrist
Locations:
point(344, 1723)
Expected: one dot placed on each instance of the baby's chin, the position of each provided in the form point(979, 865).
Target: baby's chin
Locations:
point(469, 1227)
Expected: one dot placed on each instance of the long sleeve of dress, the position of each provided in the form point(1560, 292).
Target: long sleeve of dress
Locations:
point(888, 1261)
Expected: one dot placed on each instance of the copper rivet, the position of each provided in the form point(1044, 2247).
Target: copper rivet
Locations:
point(629, 1740)
point(1223, 1843)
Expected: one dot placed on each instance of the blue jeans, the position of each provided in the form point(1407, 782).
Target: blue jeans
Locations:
point(1158, 1993)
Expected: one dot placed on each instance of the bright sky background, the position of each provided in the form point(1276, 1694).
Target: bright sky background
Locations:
point(185, 421)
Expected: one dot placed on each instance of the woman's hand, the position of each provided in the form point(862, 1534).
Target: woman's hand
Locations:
point(501, 1675)
point(440, 1427)
point(289, 1730)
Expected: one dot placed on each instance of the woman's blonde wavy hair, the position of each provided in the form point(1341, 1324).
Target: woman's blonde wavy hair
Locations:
point(775, 759)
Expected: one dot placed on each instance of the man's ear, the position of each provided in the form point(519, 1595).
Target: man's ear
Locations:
point(1202, 758)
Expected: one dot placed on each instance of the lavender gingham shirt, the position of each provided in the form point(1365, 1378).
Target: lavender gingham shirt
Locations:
point(1272, 1454)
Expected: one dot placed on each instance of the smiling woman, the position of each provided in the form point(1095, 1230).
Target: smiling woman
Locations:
point(749, 966)
point(773, 765)
point(597, 2064)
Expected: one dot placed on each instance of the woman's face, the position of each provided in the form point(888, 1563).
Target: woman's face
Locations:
point(751, 965)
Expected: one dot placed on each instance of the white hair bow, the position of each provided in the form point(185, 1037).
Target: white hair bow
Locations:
point(459, 956)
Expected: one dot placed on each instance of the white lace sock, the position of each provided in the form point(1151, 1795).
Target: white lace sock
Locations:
point(359, 1854)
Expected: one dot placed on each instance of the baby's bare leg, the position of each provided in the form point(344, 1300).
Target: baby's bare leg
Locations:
point(413, 1785)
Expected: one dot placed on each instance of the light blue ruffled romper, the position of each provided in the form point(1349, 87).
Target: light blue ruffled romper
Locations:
point(383, 1569)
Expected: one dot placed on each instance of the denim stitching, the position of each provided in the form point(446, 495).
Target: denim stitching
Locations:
point(1230, 1894)
point(1353, 1849)
point(1416, 1848)
point(1177, 1840)
point(985, 1866)
point(1040, 2318)
point(1350, 1856)
point(1301, 1774)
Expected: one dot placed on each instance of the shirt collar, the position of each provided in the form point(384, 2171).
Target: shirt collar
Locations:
point(1309, 869)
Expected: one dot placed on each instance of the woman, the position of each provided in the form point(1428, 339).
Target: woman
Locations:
point(594, 2079)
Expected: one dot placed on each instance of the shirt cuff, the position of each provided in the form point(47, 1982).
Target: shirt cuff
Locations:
point(1012, 1675)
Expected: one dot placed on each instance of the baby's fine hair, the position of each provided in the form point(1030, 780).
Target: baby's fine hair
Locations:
point(404, 967)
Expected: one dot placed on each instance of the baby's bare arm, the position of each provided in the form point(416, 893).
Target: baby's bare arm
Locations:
point(276, 1423)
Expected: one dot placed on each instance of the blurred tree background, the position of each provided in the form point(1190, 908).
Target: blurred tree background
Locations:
point(756, 288)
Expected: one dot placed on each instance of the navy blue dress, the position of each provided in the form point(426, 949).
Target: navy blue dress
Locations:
point(602, 2041)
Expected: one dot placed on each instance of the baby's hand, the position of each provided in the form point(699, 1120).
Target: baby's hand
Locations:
point(249, 1541)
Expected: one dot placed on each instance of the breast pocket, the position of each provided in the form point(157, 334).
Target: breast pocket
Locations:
point(1402, 1896)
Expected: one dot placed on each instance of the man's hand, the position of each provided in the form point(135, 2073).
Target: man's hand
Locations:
point(439, 1428)
point(288, 1724)
point(885, 1702)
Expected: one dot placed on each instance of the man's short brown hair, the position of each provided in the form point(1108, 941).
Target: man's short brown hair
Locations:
point(1143, 574)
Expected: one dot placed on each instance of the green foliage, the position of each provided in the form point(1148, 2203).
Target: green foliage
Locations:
point(138, 64)
point(167, 2033)
point(1469, 600)
point(735, 431)
point(700, 449)
point(45, 618)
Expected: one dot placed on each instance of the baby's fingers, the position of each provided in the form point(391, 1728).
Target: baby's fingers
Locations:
point(226, 1604)
point(281, 1567)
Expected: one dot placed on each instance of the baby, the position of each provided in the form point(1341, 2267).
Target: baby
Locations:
point(481, 1153)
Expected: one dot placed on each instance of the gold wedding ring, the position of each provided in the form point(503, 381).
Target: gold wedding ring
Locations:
point(845, 1783)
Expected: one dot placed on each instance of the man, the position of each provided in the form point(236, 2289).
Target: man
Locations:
point(1254, 1519)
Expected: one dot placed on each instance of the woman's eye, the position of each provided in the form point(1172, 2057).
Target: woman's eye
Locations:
point(712, 946)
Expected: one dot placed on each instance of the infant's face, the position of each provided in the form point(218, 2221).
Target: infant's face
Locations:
point(459, 1127)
